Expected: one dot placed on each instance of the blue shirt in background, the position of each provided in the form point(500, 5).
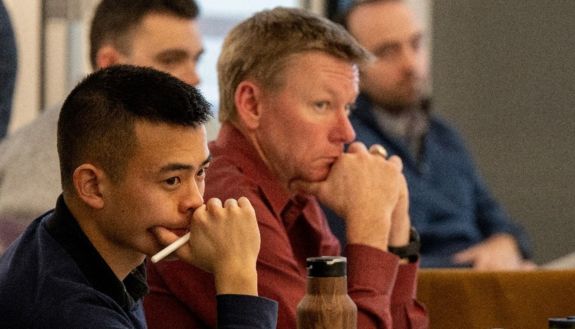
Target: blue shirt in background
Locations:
point(450, 205)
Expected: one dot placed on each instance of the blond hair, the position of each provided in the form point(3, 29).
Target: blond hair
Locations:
point(259, 48)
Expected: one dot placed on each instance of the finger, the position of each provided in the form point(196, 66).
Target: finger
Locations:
point(213, 204)
point(396, 161)
point(465, 256)
point(231, 203)
point(199, 211)
point(528, 265)
point(482, 264)
point(356, 147)
point(244, 202)
point(378, 150)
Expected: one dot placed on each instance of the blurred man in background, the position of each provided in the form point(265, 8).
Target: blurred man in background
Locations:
point(459, 221)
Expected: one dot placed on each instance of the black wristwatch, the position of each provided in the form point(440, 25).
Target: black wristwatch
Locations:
point(411, 250)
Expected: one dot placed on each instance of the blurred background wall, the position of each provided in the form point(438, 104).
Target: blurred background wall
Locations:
point(504, 73)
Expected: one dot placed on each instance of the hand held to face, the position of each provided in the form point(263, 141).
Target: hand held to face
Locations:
point(369, 192)
point(225, 241)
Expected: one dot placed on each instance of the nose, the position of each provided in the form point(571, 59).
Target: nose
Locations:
point(192, 198)
point(409, 59)
point(343, 132)
point(189, 73)
point(192, 78)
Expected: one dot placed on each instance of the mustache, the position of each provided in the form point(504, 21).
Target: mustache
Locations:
point(411, 76)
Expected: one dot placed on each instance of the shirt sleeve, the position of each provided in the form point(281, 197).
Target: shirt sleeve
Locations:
point(490, 216)
point(493, 219)
point(246, 312)
point(383, 290)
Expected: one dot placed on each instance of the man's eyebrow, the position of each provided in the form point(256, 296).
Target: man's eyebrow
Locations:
point(174, 54)
point(183, 166)
point(177, 54)
point(175, 167)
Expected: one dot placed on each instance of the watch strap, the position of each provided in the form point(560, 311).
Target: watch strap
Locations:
point(409, 251)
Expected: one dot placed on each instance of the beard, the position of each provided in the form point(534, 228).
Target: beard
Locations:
point(403, 96)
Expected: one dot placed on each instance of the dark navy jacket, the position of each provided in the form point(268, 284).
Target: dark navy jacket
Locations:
point(53, 277)
point(450, 205)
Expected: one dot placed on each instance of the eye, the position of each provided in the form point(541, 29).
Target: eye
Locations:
point(416, 43)
point(202, 172)
point(173, 181)
point(386, 51)
point(321, 106)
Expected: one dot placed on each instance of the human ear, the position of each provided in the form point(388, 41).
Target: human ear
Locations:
point(108, 56)
point(88, 182)
point(248, 104)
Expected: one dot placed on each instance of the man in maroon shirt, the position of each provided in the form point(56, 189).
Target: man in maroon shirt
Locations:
point(288, 80)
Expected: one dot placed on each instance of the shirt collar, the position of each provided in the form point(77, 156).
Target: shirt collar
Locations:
point(408, 127)
point(65, 229)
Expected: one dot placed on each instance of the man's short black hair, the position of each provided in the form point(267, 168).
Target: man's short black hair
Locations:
point(97, 120)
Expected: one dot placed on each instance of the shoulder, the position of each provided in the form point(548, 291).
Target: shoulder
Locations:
point(233, 170)
point(445, 132)
point(225, 179)
point(52, 291)
point(35, 136)
point(45, 282)
point(29, 168)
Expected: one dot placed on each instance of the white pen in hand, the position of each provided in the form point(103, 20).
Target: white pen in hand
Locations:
point(170, 248)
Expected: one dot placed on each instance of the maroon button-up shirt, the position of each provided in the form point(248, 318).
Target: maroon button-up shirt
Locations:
point(292, 228)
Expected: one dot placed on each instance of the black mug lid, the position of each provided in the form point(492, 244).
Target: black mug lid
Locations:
point(326, 266)
point(562, 323)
